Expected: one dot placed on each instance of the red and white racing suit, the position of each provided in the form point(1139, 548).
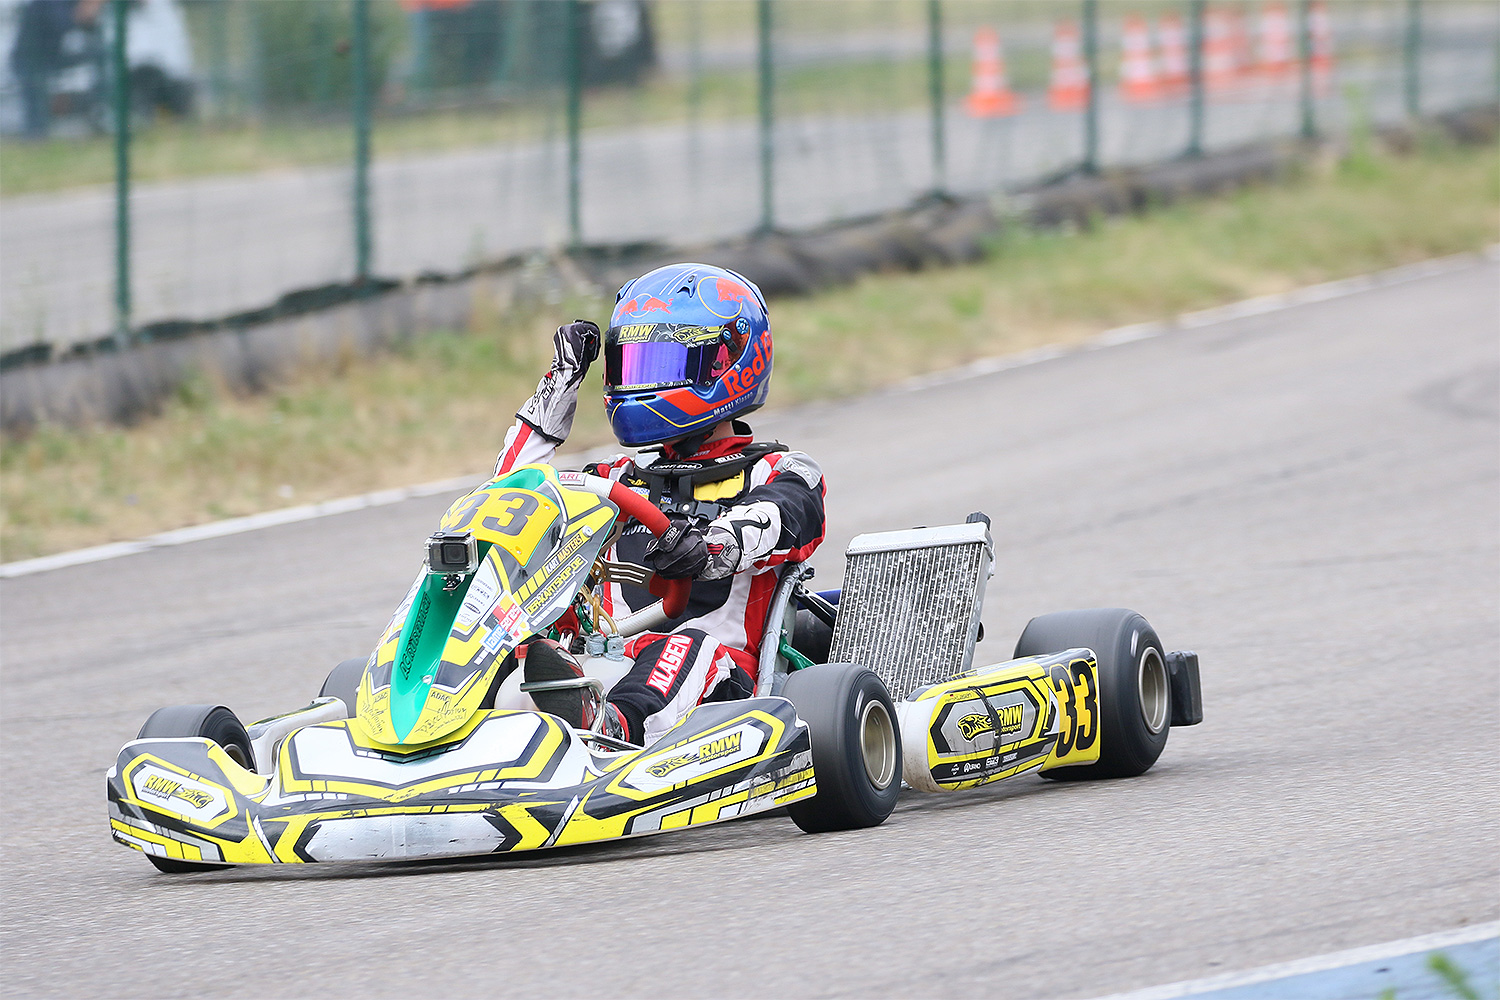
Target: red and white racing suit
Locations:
point(775, 509)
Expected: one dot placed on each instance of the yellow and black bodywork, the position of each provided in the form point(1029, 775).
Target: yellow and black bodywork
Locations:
point(995, 722)
point(424, 768)
point(508, 781)
point(440, 656)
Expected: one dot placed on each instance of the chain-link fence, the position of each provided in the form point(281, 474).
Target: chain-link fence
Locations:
point(190, 160)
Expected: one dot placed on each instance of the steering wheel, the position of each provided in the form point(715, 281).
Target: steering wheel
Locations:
point(632, 504)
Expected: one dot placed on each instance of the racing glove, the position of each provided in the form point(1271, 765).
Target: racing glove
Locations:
point(746, 533)
point(687, 551)
point(551, 408)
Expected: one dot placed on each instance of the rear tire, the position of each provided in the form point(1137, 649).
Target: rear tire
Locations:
point(1135, 701)
point(856, 746)
point(211, 722)
point(343, 683)
point(811, 637)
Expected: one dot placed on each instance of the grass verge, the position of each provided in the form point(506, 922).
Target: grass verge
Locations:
point(441, 406)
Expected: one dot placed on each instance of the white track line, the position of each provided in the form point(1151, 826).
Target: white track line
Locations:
point(1258, 306)
point(985, 366)
point(1318, 963)
point(232, 526)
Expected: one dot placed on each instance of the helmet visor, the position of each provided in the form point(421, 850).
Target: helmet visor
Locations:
point(665, 356)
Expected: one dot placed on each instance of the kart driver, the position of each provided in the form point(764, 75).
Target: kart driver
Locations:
point(688, 350)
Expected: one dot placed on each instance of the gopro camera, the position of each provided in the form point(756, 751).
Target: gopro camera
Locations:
point(452, 553)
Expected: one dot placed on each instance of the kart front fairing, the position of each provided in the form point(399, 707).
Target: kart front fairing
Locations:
point(511, 781)
point(442, 651)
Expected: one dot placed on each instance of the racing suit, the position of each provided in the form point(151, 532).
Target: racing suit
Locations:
point(769, 499)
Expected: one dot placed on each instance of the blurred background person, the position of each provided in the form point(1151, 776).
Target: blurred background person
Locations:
point(38, 53)
point(59, 81)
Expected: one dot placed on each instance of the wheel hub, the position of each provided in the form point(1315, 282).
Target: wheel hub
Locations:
point(1151, 681)
point(877, 741)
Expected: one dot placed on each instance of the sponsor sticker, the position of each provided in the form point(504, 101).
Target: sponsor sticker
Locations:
point(509, 622)
point(496, 638)
point(633, 333)
point(801, 466)
point(507, 616)
point(177, 793)
point(481, 596)
point(1011, 718)
point(669, 664)
point(704, 752)
point(536, 593)
point(409, 654)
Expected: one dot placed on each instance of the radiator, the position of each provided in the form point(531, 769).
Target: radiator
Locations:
point(911, 603)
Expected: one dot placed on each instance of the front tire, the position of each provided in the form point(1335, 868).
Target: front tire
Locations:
point(210, 722)
point(856, 746)
point(1135, 699)
point(343, 683)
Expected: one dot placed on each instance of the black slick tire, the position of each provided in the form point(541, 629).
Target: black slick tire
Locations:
point(343, 682)
point(856, 746)
point(211, 722)
point(1135, 706)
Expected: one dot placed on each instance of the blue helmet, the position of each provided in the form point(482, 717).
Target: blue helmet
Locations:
point(688, 346)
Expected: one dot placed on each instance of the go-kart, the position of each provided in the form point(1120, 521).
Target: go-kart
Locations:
point(432, 746)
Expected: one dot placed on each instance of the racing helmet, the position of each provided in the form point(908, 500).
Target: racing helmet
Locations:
point(688, 346)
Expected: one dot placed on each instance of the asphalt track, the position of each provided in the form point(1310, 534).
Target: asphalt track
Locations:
point(1307, 497)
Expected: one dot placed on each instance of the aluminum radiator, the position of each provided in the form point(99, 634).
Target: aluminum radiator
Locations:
point(911, 603)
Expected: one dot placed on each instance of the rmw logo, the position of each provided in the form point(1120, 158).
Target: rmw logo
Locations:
point(713, 750)
point(974, 724)
point(166, 788)
point(722, 747)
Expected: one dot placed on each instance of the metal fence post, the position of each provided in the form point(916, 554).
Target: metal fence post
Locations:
point(935, 91)
point(695, 107)
point(120, 83)
point(1304, 52)
point(323, 38)
point(1195, 78)
point(1413, 58)
point(419, 24)
point(767, 145)
point(1091, 108)
point(361, 81)
point(218, 52)
point(575, 113)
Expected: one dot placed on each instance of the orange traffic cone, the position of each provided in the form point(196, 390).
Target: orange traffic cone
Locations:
point(1218, 52)
point(990, 96)
point(1321, 30)
point(1138, 82)
point(1174, 58)
point(1275, 42)
point(1069, 90)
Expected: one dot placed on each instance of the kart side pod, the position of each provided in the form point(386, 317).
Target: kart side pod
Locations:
point(1090, 693)
point(994, 722)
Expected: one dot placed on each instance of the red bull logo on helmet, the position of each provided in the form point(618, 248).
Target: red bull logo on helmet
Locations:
point(640, 305)
point(731, 291)
point(742, 378)
point(728, 299)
